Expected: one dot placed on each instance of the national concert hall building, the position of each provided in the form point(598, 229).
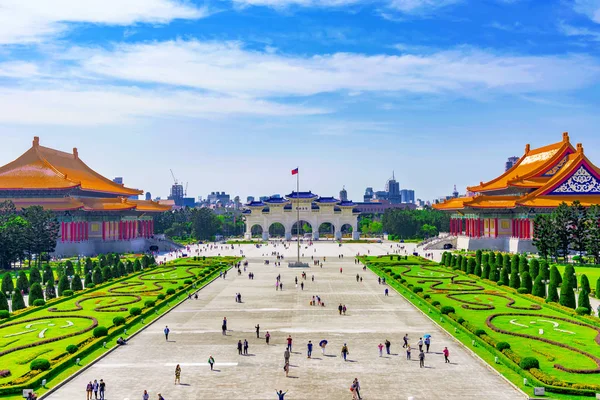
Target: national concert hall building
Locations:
point(499, 214)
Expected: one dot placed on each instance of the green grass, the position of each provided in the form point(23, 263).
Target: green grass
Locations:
point(75, 315)
point(484, 298)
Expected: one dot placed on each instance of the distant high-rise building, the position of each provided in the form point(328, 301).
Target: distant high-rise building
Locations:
point(455, 192)
point(148, 196)
point(392, 187)
point(407, 196)
point(368, 194)
point(249, 199)
point(176, 194)
point(343, 194)
point(220, 197)
point(510, 163)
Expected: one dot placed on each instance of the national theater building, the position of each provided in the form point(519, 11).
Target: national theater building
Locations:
point(96, 215)
point(499, 214)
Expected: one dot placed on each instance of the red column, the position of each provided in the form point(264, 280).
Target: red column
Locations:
point(151, 227)
point(452, 221)
point(120, 225)
point(62, 231)
point(528, 222)
point(481, 226)
point(103, 231)
point(86, 227)
point(460, 223)
point(496, 227)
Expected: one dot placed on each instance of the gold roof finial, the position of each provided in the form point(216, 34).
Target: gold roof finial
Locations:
point(579, 148)
point(36, 141)
point(75, 153)
point(527, 148)
point(565, 136)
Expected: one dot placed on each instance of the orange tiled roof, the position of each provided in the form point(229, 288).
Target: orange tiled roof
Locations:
point(52, 204)
point(150, 206)
point(106, 204)
point(492, 202)
point(526, 172)
point(456, 203)
point(44, 168)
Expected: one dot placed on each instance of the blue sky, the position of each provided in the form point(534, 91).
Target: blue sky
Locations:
point(233, 94)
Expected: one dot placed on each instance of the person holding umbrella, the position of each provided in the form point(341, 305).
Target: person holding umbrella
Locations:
point(427, 337)
point(322, 344)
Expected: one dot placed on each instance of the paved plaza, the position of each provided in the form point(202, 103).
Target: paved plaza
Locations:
point(148, 361)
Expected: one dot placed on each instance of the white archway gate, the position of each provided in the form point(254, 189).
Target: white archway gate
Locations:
point(305, 206)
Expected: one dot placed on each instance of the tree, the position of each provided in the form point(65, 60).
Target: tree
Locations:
point(137, 266)
point(459, 261)
point(12, 233)
point(471, 263)
point(69, 270)
point(204, 223)
point(121, 268)
point(478, 255)
point(34, 276)
point(97, 276)
point(485, 272)
point(106, 274)
point(492, 259)
point(514, 262)
point(570, 272)
point(76, 283)
point(87, 280)
point(17, 301)
point(493, 274)
point(534, 268)
point(506, 262)
point(504, 276)
point(542, 234)
point(598, 288)
point(555, 276)
point(499, 260)
point(523, 264)
point(7, 283)
point(577, 228)
point(464, 266)
point(526, 281)
point(544, 270)
point(42, 231)
point(567, 296)
point(552, 296)
point(584, 294)
point(477, 270)
point(23, 282)
point(129, 267)
point(560, 218)
point(50, 290)
point(485, 258)
point(63, 284)
point(78, 269)
point(48, 275)
point(539, 287)
point(35, 293)
point(145, 261)
point(515, 281)
point(89, 266)
point(592, 225)
point(3, 302)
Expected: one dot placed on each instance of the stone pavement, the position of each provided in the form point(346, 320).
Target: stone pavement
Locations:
point(148, 361)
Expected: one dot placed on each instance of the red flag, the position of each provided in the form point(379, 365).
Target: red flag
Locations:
point(295, 171)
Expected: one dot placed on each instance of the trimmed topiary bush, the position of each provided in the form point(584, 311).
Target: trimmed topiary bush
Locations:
point(522, 290)
point(170, 291)
point(4, 314)
point(160, 297)
point(149, 303)
point(135, 311)
point(187, 282)
point(180, 287)
point(40, 364)
point(63, 284)
point(119, 321)
point(447, 310)
point(76, 283)
point(435, 303)
point(460, 320)
point(3, 302)
point(426, 296)
point(39, 302)
point(72, 349)
point(100, 331)
point(528, 363)
point(91, 286)
point(67, 293)
point(417, 289)
point(479, 332)
point(502, 346)
point(582, 311)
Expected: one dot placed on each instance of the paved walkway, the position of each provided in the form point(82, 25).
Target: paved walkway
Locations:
point(148, 361)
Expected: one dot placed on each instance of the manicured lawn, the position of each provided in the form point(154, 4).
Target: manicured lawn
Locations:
point(560, 342)
point(71, 322)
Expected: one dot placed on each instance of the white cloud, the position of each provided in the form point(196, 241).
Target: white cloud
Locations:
point(27, 21)
point(420, 6)
point(228, 68)
point(404, 6)
point(591, 8)
point(570, 30)
point(18, 69)
point(114, 105)
point(301, 3)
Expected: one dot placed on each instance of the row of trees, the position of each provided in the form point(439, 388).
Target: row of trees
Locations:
point(408, 224)
point(568, 228)
point(197, 223)
point(26, 234)
point(43, 285)
point(527, 277)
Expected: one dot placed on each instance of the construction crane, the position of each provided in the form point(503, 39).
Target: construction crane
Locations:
point(185, 191)
point(173, 175)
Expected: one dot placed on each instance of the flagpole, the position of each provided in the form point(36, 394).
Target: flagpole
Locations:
point(298, 210)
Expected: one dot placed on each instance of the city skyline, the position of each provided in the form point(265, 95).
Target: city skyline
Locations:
point(233, 94)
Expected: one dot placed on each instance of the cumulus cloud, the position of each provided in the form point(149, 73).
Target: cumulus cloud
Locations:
point(591, 8)
point(36, 20)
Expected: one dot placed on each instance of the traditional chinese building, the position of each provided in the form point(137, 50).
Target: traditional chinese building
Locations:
point(500, 213)
point(95, 214)
point(306, 206)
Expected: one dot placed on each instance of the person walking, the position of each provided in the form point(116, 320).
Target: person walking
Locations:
point(344, 309)
point(280, 395)
point(388, 345)
point(239, 347)
point(420, 344)
point(408, 351)
point(357, 277)
point(145, 396)
point(88, 391)
point(405, 341)
point(309, 349)
point(380, 350)
point(245, 347)
point(267, 337)
point(257, 331)
point(302, 285)
point(281, 286)
point(289, 342)
point(323, 344)
point(340, 308)
point(421, 359)
point(446, 355)
point(102, 388)
point(211, 362)
point(177, 374)
point(95, 386)
point(345, 351)
point(286, 356)
point(356, 386)
point(166, 331)
point(427, 342)
point(387, 292)
point(286, 368)
point(160, 395)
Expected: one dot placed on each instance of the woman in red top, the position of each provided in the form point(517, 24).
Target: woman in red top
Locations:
point(446, 354)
